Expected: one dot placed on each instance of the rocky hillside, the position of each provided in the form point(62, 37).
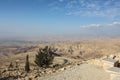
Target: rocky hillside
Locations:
point(71, 54)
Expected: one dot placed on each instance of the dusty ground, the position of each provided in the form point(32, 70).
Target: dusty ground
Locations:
point(81, 72)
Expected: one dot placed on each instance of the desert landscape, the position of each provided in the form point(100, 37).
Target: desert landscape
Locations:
point(73, 60)
point(59, 39)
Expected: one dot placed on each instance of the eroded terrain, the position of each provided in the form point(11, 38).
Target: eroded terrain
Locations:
point(72, 59)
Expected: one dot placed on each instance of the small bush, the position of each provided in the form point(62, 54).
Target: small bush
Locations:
point(44, 57)
point(70, 50)
point(10, 67)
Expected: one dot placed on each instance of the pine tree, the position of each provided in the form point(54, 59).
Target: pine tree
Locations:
point(27, 66)
point(44, 57)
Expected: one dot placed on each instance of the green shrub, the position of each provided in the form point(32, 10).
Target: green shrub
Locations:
point(44, 57)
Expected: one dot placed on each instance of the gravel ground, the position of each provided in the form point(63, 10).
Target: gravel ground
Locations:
point(82, 72)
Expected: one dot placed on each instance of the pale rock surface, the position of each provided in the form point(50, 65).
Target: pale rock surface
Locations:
point(82, 72)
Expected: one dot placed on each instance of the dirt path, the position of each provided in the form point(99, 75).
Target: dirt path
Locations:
point(115, 77)
point(82, 72)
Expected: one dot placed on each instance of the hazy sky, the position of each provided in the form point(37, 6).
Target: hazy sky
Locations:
point(59, 17)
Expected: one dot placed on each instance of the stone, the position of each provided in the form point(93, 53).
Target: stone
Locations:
point(62, 69)
point(49, 72)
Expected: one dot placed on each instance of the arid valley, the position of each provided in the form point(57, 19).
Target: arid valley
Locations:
point(73, 60)
point(59, 39)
